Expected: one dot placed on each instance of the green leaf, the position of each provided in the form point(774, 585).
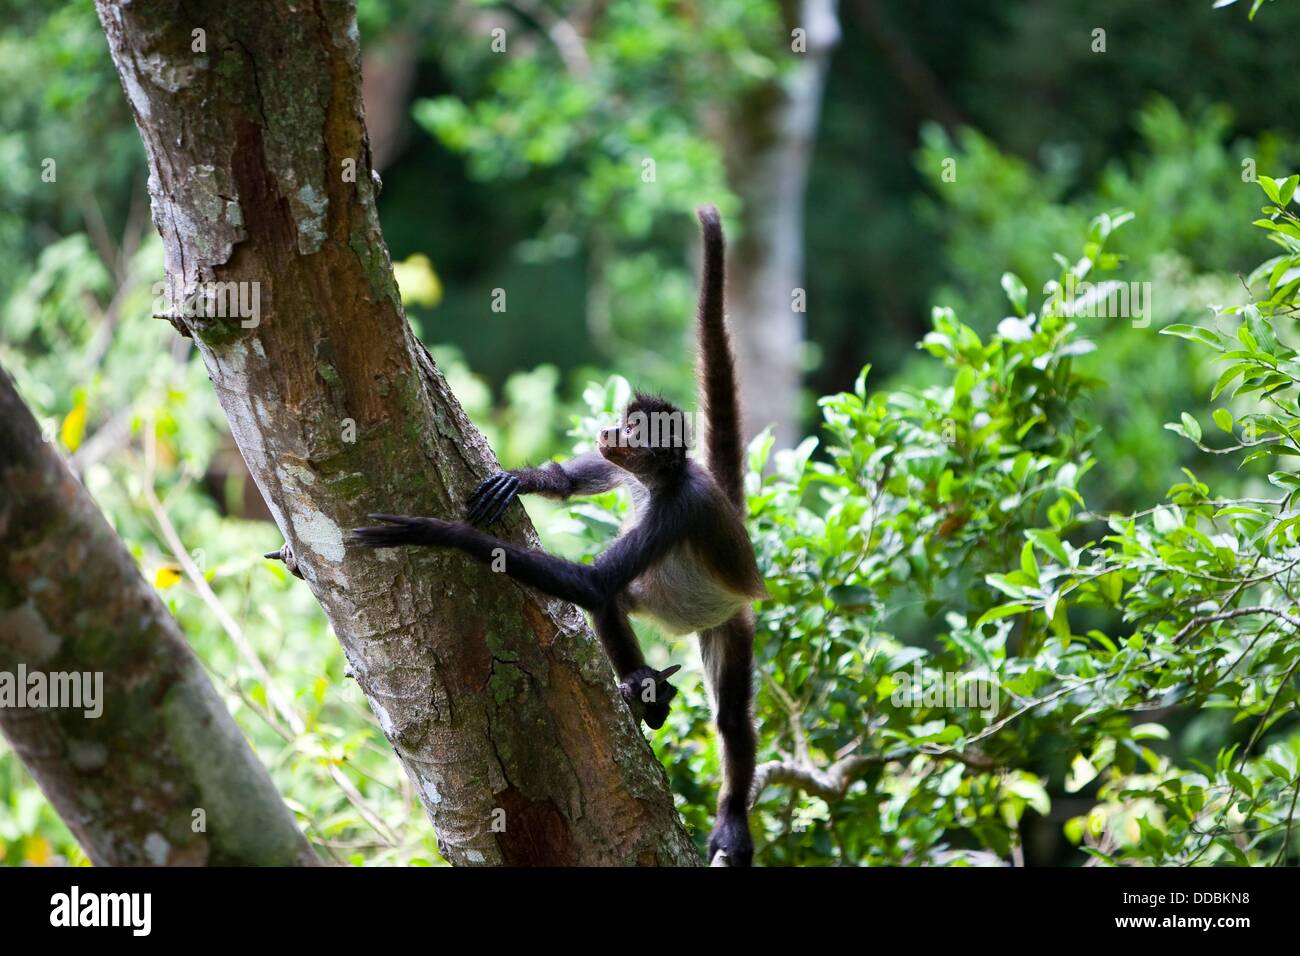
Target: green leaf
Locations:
point(1050, 544)
point(1241, 782)
point(1287, 190)
point(1082, 773)
point(1001, 611)
point(1003, 584)
point(971, 644)
point(1028, 563)
point(1016, 292)
point(1261, 330)
point(1193, 429)
point(1194, 333)
point(1149, 731)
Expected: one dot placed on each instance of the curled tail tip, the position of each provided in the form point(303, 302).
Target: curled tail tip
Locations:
point(709, 218)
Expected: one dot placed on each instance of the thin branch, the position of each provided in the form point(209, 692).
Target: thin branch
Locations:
point(833, 782)
point(1202, 620)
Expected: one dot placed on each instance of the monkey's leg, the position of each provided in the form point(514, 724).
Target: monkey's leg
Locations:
point(645, 689)
point(728, 653)
point(579, 583)
point(593, 587)
point(590, 586)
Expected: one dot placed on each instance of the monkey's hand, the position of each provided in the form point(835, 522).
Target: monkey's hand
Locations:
point(648, 693)
point(491, 498)
point(399, 530)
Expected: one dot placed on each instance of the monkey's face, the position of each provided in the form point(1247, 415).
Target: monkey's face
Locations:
point(650, 441)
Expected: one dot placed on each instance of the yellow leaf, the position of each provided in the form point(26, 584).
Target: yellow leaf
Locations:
point(166, 576)
point(417, 281)
point(73, 429)
point(36, 851)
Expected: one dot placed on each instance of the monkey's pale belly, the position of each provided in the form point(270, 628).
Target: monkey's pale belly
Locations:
point(681, 598)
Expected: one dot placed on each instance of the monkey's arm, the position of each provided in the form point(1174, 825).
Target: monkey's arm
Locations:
point(587, 474)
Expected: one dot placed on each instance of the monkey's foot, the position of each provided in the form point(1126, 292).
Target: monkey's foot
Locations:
point(730, 843)
point(398, 530)
point(286, 555)
point(491, 498)
point(648, 693)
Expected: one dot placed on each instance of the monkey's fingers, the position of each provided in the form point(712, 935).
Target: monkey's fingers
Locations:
point(490, 483)
point(484, 487)
point(482, 493)
point(496, 500)
point(502, 501)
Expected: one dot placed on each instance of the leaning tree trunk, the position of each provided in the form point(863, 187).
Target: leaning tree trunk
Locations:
point(768, 142)
point(497, 700)
point(161, 775)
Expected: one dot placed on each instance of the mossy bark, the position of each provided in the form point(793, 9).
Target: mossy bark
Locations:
point(496, 700)
point(162, 775)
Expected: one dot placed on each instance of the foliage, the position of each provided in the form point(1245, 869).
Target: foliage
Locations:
point(1115, 660)
point(606, 133)
point(945, 548)
point(1190, 178)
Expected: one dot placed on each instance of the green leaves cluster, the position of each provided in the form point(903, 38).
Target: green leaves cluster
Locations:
point(1142, 663)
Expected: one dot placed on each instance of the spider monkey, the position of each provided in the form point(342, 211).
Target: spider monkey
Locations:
point(686, 560)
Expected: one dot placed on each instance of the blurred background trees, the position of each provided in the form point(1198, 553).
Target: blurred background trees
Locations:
point(544, 157)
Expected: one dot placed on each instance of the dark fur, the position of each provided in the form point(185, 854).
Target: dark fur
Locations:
point(686, 560)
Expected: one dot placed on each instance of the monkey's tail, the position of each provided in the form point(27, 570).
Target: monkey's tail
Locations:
point(719, 390)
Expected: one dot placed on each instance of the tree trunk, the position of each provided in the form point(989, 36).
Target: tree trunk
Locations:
point(387, 78)
point(769, 141)
point(161, 775)
point(496, 699)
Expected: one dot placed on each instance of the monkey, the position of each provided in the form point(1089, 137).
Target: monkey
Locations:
point(685, 560)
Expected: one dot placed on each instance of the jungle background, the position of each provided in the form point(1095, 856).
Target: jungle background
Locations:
point(1088, 515)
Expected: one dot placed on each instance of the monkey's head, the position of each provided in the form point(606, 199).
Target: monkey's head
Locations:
point(650, 441)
